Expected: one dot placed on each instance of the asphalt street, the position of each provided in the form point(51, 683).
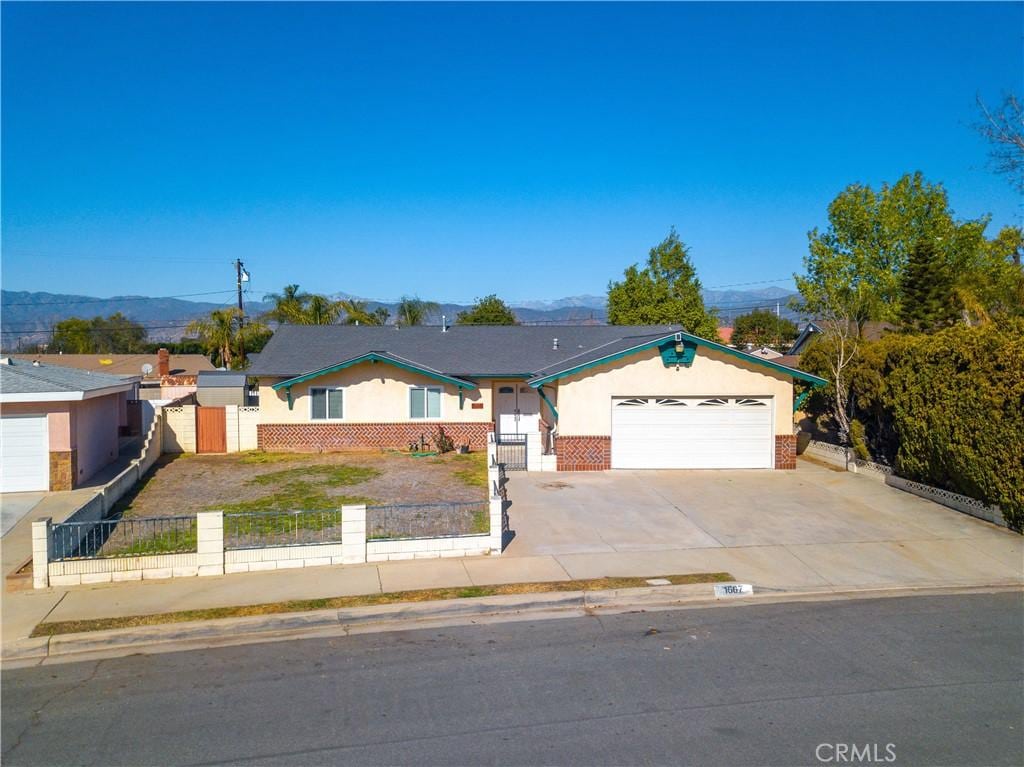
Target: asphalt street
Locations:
point(907, 681)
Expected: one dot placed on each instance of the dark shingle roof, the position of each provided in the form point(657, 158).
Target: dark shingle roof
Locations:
point(461, 351)
point(220, 379)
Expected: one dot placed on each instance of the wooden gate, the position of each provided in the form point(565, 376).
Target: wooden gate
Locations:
point(211, 430)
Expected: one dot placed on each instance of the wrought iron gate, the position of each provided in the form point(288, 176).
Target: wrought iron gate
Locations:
point(511, 451)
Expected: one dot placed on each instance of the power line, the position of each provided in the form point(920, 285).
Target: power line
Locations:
point(755, 282)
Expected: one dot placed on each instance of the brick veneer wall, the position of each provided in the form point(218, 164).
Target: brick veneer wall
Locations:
point(785, 451)
point(310, 437)
point(588, 453)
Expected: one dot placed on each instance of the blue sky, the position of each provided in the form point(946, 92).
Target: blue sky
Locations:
point(456, 150)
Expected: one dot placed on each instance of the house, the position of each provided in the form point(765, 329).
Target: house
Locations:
point(870, 331)
point(58, 425)
point(585, 397)
point(159, 377)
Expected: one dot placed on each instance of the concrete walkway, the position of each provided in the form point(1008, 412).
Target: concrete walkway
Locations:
point(928, 546)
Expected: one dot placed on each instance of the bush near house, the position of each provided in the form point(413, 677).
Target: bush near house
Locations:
point(946, 409)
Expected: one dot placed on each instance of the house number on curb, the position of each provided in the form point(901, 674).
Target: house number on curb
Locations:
point(733, 589)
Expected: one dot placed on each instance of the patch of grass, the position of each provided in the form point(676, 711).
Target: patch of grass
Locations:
point(167, 542)
point(294, 496)
point(326, 474)
point(481, 521)
point(368, 600)
point(472, 469)
point(259, 457)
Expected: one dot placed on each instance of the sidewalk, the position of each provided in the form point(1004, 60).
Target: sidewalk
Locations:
point(776, 568)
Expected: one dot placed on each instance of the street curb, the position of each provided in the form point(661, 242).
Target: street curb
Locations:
point(172, 637)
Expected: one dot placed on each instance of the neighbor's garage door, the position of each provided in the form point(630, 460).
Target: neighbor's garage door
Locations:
point(24, 454)
point(692, 433)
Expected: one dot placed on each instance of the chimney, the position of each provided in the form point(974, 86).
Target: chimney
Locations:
point(554, 344)
point(163, 363)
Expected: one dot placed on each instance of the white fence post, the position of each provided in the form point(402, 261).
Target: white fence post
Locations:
point(353, 535)
point(497, 526)
point(42, 535)
point(210, 542)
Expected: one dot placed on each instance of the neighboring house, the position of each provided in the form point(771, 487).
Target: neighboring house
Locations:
point(58, 426)
point(726, 335)
point(160, 377)
point(596, 397)
point(871, 331)
point(221, 387)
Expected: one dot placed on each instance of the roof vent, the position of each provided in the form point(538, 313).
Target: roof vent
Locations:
point(554, 344)
point(35, 363)
point(444, 324)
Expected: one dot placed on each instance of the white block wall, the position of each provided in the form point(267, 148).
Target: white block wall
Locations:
point(180, 429)
point(248, 418)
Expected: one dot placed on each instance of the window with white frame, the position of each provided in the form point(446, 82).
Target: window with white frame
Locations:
point(425, 402)
point(326, 404)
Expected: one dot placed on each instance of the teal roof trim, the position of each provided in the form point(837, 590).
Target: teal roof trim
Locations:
point(374, 357)
point(692, 339)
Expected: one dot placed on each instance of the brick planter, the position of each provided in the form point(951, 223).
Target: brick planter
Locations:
point(327, 437)
point(588, 453)
point(785, 451)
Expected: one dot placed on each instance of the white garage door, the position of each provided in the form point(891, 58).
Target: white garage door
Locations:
point(692, 433)
point(24, 454)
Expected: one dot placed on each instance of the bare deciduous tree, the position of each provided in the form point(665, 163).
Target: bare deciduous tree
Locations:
point(1004, 130)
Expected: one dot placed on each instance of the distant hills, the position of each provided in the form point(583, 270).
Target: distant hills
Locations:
point(27, 317)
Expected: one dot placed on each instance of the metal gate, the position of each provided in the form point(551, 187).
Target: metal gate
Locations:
point(211, 430)
point(511, 451)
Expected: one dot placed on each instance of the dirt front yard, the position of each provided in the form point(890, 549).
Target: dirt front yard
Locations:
point(255, 481)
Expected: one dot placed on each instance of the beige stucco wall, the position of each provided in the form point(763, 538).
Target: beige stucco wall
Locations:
point(374, 393)
point(584, 400)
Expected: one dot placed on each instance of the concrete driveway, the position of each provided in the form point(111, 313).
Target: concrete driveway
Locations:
point(812, 526)
point(14, 506)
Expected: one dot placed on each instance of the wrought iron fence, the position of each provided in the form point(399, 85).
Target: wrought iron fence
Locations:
point(124, 537)
point(256, 529)
point(427, 520)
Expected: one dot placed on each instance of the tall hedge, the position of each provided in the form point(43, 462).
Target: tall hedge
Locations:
point(957, 402)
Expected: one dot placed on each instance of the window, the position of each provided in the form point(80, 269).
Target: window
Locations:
point(425, 402)
point(326, 404)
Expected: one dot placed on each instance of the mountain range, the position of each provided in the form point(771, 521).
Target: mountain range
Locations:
point(27, 317)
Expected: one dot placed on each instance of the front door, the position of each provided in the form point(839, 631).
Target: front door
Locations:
point(518, 409)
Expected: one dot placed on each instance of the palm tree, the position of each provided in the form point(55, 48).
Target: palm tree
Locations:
point(289, 304)
point(356, 313)
point(412, 310)
point(217, 334)
point(320, 311)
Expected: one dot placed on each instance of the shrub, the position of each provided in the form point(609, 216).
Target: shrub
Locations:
point(956, 400)
point(946, 409)
point(860, 447)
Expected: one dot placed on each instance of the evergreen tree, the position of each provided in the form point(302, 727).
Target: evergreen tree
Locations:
point(929, 297)
point(665, 291)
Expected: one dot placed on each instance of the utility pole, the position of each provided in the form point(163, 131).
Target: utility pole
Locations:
point(241, 276)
